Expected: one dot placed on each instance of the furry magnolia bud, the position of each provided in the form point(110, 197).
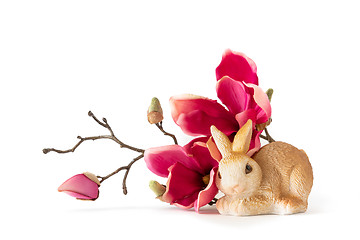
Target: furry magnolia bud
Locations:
point(157, 188)
point(92, 177)
point(269, 93)
point(155, 112)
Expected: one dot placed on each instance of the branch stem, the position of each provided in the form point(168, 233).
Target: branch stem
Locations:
point(267, 137)
point(127, 168)
point(212, 202)
point(111, 136)
point(160, 127)
point(270, 139)
point(104, 123)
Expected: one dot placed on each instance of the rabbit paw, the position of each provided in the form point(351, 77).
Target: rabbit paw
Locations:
point(230, 206)
point(222, 205)
point(291, 205)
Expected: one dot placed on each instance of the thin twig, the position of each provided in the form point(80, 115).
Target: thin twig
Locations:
point(111, 136)
point(263, 137)
point(127, 168)
point(127, 172)
point(269, 138)
point(159, 126)
point(212, 202)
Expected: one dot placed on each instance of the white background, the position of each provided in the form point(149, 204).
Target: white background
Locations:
point(59, 59)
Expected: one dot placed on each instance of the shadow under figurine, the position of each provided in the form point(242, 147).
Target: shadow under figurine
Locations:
point(275, 180)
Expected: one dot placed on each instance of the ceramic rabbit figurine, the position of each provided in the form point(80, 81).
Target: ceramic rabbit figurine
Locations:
point(276, 180)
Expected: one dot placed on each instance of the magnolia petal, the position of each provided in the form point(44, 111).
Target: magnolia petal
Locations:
point(234, 94)
point(189, 145)
point(81, 187)
point(160, 159)
point(255, 143)
point(214, 151)
point(78, 195)
point(202, 155)
point(244, 116)
point(187, 202)
point(198, 123)
point(182, 182)
point(260, 103)
point(205, 196)
point(237, 66)
point(195, 114)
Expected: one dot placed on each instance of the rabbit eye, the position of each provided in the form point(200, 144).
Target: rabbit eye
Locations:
point(248, 169)
point(219, 175)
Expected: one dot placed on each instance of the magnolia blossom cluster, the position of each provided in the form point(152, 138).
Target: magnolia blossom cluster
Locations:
point(191, 169)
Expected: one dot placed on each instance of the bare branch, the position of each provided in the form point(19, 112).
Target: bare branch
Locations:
point(127, 168)
point(267, 137)
point(111, 136)
point(104, 123)
point(212, 202)
point(159, 126)
point(270, 139)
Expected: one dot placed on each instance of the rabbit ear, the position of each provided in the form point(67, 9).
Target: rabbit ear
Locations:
point(243, 138)
point(221, 140)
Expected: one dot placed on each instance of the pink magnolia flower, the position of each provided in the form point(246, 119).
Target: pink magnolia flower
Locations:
point(190, 170)
point(81, 186)
point(238, 91)
point(195, 114)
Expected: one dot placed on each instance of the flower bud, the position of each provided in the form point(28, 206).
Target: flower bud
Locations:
point(155, 112)
point(269, 93)
point(157, 188)
point(83, 186)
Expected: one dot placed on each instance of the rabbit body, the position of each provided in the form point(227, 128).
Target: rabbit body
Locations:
point(276, 180)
